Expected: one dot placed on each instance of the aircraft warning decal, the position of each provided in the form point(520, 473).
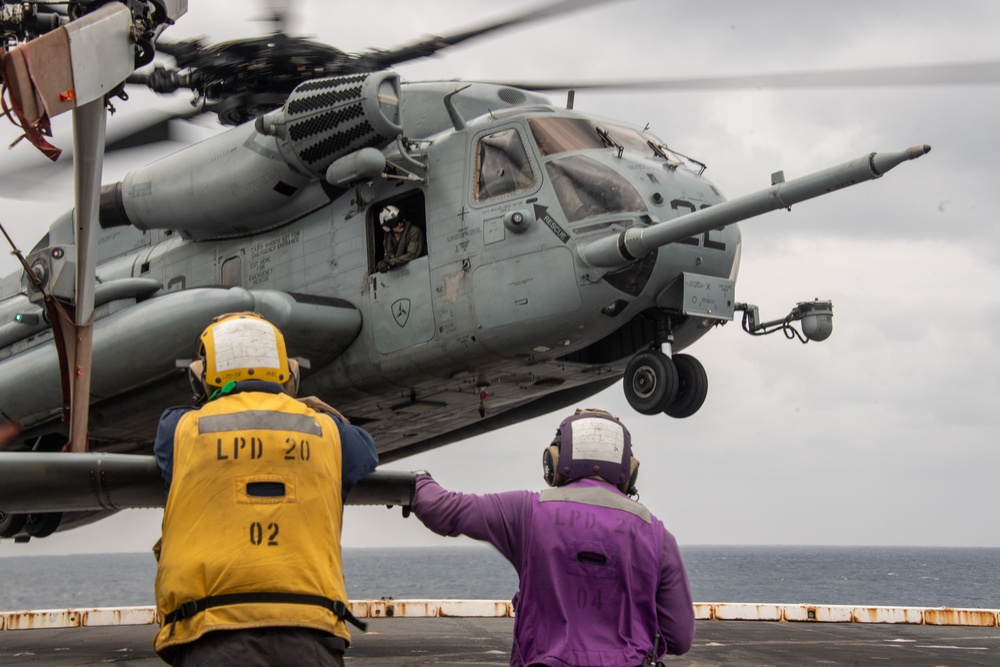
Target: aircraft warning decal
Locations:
point(542, 213)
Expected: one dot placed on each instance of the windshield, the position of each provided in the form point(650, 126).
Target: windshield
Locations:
point(586, 188)
point(555, 135)
point(634, 142)
point(560, 135)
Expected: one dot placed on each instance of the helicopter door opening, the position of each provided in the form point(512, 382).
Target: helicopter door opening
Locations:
point(402, 313)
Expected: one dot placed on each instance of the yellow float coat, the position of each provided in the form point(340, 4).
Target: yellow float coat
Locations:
point(223, 534)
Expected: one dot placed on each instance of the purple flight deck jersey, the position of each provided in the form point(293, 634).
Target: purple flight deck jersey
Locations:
point(600, 576)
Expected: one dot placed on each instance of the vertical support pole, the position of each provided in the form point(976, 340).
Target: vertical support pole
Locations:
point(89, 125)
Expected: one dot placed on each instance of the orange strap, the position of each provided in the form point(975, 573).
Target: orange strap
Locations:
point(35, 132)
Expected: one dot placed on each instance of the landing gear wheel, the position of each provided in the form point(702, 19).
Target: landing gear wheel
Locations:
point(692, 388)
point(11, 524)
point(42, 525)
point(650, 382)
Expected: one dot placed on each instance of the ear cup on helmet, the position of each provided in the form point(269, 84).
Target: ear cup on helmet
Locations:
point(628, 487)
point(291, 386)
point(196, 377)
point(550, 463)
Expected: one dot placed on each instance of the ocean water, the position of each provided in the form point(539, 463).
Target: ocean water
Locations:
point(892, 576)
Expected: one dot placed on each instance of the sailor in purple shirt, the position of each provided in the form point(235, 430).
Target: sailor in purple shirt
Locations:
point(602, 582)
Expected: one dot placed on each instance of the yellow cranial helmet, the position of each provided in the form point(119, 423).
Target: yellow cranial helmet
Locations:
point(242, 346)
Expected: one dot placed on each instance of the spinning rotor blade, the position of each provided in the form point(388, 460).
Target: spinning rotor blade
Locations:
point(950, 74)
point(430, 46)
point(244, 78)
point(184, 50)
point(276, 12)
point(33, 183)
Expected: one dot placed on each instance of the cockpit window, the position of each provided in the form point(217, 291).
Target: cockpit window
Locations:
point(586, 188)
point(502, 165)
point(633, 141)
point(561, 135)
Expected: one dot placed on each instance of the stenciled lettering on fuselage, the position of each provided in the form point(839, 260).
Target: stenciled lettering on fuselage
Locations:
point(706, 240)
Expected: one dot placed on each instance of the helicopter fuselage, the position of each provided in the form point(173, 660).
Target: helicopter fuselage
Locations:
point(503, 312)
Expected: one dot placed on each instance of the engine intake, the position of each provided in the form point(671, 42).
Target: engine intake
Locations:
point(263, 174)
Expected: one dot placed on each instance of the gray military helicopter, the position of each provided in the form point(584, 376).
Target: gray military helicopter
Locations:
point(562, 253)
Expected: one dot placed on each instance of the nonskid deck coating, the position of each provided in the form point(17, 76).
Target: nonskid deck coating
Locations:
point(406, 642)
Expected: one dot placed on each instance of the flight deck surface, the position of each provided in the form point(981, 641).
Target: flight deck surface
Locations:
point(399, 642)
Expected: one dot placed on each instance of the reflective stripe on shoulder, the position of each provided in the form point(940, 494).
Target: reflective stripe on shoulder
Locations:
point(592, 495)
point(259, 420)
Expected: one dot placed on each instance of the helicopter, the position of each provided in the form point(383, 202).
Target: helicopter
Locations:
point(564, 252)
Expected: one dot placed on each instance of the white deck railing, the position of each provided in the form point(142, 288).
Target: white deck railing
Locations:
point(388, 608)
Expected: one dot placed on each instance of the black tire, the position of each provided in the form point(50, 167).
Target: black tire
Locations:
point(692, 388)
point(11, 524)
point(650, 382)
point(42, 525)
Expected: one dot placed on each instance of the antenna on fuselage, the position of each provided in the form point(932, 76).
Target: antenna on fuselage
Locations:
point(453, 113)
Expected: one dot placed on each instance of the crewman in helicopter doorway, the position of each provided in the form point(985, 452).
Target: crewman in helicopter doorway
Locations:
point(601, 579)
point(249, 563)
point(403, 241)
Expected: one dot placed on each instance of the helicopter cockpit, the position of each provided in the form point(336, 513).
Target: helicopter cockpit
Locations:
point(585, 187)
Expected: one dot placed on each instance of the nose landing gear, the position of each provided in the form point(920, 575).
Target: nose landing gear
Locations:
point(692, 388)
point(650, 382)
point(655, 382)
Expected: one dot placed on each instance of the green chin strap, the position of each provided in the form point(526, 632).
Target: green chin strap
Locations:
point(223, 390)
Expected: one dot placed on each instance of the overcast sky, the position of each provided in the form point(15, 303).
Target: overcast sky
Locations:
point(885, 434)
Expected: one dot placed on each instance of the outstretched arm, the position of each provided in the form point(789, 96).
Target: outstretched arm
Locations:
point(359, 456)
point(499, 518)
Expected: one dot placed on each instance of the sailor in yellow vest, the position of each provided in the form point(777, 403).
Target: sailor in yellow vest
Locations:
point(250, 569)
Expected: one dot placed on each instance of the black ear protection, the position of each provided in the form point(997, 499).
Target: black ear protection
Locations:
point(633, 475)
point(199, 388)
point(550, 461)
point(196, 378)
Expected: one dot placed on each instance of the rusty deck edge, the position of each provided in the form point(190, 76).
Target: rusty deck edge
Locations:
point(387, 608)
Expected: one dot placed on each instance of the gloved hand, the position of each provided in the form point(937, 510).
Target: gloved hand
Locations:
point(382, 267)
point(317, 404)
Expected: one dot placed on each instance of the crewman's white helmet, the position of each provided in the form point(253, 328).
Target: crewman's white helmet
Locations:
point(388, 217)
